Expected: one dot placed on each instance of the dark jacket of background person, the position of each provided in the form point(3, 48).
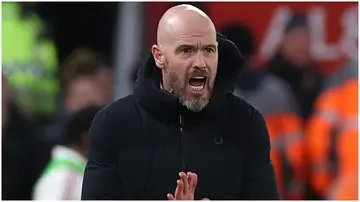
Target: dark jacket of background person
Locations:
point(24, 156)
point(137, 148)
point(296, 78)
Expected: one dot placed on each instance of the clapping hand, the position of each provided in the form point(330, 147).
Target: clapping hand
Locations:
point(186, 186)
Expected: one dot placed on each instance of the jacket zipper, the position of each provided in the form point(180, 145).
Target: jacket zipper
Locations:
point(183, 166)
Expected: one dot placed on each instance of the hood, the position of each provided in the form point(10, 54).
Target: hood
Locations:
point(147, 90)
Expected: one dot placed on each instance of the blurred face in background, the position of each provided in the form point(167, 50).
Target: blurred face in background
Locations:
point(189, 59)
point(104, 78)
point(296, 47)
point(84, 91)
point(89, 64)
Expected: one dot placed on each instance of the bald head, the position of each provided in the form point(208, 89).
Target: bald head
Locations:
point(183, 20)
point(187, 49)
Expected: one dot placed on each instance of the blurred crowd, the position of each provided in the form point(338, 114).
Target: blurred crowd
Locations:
point(48, 106)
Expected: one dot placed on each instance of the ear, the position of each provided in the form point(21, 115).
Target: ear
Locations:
point(158, 56)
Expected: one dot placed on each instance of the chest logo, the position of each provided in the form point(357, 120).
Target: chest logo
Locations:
point(218, 140)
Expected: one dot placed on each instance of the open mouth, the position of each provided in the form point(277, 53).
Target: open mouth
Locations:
point(197, 83)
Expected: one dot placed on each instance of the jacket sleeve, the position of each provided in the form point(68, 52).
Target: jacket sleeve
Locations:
point(259, 180)
point(101, 178)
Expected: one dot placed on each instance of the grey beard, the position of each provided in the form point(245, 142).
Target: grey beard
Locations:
point(194, 105)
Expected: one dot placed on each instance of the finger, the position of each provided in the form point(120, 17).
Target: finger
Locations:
point(205, 199)
point(191, 179)
point(194, 181)
point(185, 181)
point(170, 197)
point(179, 190)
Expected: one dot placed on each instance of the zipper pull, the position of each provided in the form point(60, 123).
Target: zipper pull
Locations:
point(181, 123)
point(183, 165)
point(181, 120)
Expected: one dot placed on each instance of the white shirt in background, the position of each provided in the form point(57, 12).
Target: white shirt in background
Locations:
point(62, 179)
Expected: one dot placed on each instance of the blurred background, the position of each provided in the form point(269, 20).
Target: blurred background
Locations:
point(62, 62)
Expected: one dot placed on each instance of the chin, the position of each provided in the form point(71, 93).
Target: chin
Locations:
point(195, 105)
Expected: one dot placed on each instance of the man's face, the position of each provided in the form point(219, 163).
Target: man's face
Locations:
point(104, 77)
point(83, 92)
point(190, 67)
point(296, 47)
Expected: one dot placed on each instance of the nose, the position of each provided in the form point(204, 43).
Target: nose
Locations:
point(199, 61)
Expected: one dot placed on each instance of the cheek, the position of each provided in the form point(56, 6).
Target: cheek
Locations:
point(212, 64)
point(179, 67)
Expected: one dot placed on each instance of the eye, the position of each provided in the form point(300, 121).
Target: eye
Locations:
point(186, 50)
point(209, 50)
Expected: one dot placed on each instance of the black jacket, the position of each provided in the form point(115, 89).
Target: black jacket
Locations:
point(140, 143)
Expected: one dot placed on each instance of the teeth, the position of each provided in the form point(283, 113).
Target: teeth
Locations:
point(197, 88)
point(198, 77)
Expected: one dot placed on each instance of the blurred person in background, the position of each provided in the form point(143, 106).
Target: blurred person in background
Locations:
point(274, 99)
point(83, 90)
point(87, 60)
point(24, 153)
point(332, 137)
point(62, 178)
point(294, 64)
point(85, 65)
point(86, 81)
point(29, 60)
point(345, 186)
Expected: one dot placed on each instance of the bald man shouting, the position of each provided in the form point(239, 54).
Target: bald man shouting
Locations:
point(182, 134)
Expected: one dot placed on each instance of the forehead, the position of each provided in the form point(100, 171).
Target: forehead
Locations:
point(193, 39)
point(301, 31)
point(80, 82)
point(192, 33)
